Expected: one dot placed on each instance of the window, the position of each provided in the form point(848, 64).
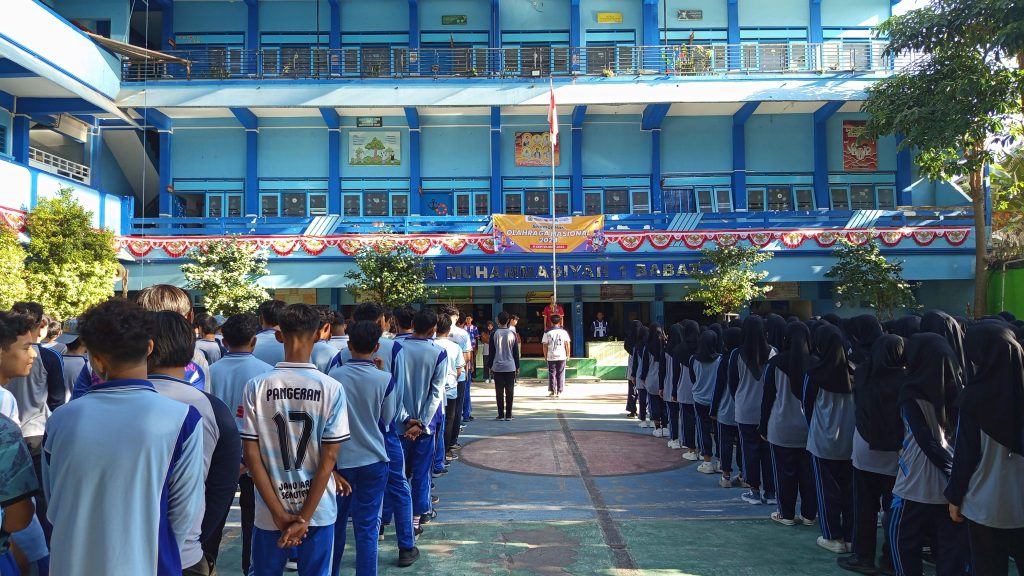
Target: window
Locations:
point(592, 203)
point(399, 204)
point(774, 57)
point(862, 197)
point(218, 205)
point(215, 206)
point(798, 56)
point(676, 200)
point(755, 199)
point(616, 201)
point(724, 199)
point(857, 55)
point(641, 202)
point(750, 56)
point(3, 139)
point(294, 204)
point(804, 198)
point(482, 203)
point(840, 199)
point(375, 204)
point(462, 205)
point(705, 202)
point(268, 205)
point(351, 205)
point(318, 204)
point(472, 204)
point(780, 198)
point(886, 198)
point(514, 203)
point(562, 203)
point(537, 202)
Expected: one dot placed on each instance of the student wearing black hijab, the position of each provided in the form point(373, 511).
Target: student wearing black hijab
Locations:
point(988, 463)
point(876, 442)
point(829, 407)
point(905, 326)
point(723, 411)
point(652, 378)
point(784, 428)
point(629, 342)
point(938, 322)
point(703, 370)
point(775, 330)
point(688, 418)
point(919, 509)
point(636, 365)
point(862, 331)
point(746, 369)
point(672, 368)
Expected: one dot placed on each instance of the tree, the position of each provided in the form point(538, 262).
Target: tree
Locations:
point(375, 146)
point(1008, 208)
point(70, 266)
point(391, 274)
point(226, 271)
point(951, 103)
point(726, 278)
point(862, 274)
point(12, 268)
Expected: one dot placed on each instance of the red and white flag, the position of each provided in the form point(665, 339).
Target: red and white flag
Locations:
point(553, 116)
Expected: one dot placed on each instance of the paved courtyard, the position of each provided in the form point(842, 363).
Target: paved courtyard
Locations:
point(572, 486)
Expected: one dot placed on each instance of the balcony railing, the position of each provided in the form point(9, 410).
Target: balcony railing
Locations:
point(57, 165)
point(310, 62)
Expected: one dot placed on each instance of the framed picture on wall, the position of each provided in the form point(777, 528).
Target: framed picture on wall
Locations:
point(375, 148)
point(534, 149)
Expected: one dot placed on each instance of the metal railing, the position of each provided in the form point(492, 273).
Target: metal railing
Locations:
point(57, 165)
point(311, 62)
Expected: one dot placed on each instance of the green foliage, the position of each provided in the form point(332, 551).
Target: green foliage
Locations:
point(70, 266)
point(862, 274)
point(391, 274)
point(226, 271)
point(727, 279)
point(12, 268)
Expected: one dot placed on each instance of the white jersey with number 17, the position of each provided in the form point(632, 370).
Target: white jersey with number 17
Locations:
point(292, 411)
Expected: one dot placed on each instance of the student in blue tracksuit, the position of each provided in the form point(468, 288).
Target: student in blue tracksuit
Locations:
point(673, 373)
point(687, 415)
point(724, 414)
point(323, 353)
point(746, 370)
point(636, 370)
point(629, 343)
point(652, 377)
point(919, 509)
point(148, 490)
point(364, 462)
point(703, 370)
point(784, 427)
point(829, 409)
point(988, 466)
point(268, 348)
point(456, 364)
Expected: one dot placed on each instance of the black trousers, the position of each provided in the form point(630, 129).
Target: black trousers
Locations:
point(834, 480)
point(871, 490)
point(757, 461)
point(630, 397)
point(992, 548)
point(641, 398)
point(672, 411)
point(453, 417)
point(504, 386)
point(688, 418)
point(247, 502)
point(703, 429)
point(914, 524)
point(794, 474)
point(728, 443)
point(657, 410)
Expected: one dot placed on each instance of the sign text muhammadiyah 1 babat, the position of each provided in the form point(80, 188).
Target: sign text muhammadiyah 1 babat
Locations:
point(610, 271)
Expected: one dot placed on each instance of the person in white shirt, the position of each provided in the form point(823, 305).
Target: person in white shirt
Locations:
point(556, 352)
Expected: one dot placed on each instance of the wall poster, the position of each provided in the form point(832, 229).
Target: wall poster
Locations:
point(374, 148)
point(534, 149)
point(858, 155)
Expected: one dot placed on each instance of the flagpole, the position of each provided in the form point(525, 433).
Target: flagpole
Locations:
point(554, 241)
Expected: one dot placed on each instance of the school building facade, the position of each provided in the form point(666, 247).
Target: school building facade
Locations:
point(305, 125)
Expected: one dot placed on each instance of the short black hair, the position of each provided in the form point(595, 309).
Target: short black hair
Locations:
point(368, 311)
point(53, 327)
point(174, 343)
point(117, 329)
point(404, 316)
point(449, 310)
point(556, 319)
point(12, 327)
point(33, 310)
point(444, 324)
point(338, 320)
point(298, 319)
point(270, 311)
point(239, 329)
point(424, 321)
point(325, 312)
point(503, 317)
point(206, 324)
point(364, 335)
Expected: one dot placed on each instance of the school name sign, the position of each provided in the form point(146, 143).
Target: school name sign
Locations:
point(534, 235)
point(611, 271)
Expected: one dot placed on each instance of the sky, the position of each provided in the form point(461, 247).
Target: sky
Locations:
point(908, 5)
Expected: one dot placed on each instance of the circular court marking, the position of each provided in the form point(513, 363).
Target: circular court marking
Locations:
point(547, 453)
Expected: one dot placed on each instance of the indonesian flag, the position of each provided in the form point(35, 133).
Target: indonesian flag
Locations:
point(553, 116)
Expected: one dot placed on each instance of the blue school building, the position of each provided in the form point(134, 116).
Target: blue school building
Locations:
point(303, 126)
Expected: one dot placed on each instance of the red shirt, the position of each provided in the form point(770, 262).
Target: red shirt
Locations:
point(549, 312)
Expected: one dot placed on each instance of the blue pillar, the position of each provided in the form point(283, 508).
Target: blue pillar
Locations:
point(650, 24)
point(101, 214)
point(575, 29)
point(821, 116)
point(415, 180)
point(494, 36)
point(414, 25)
point(658, 307)
point(19, 138)
point(333, 122)
point(904, 174)
point(815, 33)
point(335, 38)
point(96, 162)
point(165, 174)
point(657, 203)
point(734, 35)
point(578, 334)
point(739, 154)
point(167, 27)
point(497, 206)
point(577, 204)
point(252, 35)
point(252, 183)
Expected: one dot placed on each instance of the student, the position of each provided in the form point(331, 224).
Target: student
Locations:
point(75, 356)
point(638, 358)
point(52, 339)
point(364, 462)
point(504, 365)
point(784, 428)
point(556, 351)
point(456, 369)
point(268, 348)
point(829, 409)
point(424, 370)
point(485, 340)
point(173, 346)
point(323, 353)
point(629, 343)
point(403, 318)
point(339, 339)
point(651, 376)
point(474, 340)
point(724, 413)
point(599, 327)
point(389, 349)
point(919, 509)
point(673, 375)
point(146, 493)
point(703, 370)
point(232, 372)
point(746, 370)
point(687, 418)
point(295, 422)
point(988, 463)
point(163, 297)
point(876, 442)
point(466, 343)
point(206, 326)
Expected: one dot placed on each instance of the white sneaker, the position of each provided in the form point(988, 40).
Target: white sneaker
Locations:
point(656, 433)
point(691, 456)
point(718, 465)
point(837, 546)
point(706, 468)
point(784, 521)
point(806, 521)
point(291, 566)
point(642, 424)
